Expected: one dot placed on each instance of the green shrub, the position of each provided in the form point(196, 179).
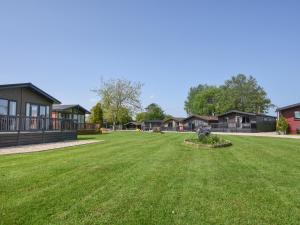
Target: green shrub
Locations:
point(282, 125)
point(211, 139)
point(156, 130)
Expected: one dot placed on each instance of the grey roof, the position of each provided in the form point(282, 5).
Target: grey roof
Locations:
point(240, 112)
point(206, 118)
point(66, 107)
point(288, 107)
point(34, 88)
point(153, 121)
point(177, 119)
point(133, 122)
point(245, 113)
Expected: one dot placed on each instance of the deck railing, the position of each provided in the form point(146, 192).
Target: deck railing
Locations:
point(25, 123)
point(88, 126)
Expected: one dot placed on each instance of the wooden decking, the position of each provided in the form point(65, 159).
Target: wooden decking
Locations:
point(26, 137)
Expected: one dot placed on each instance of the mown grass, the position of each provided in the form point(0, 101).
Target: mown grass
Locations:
point(145, 178)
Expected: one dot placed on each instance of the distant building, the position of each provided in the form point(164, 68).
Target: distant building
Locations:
point(192, 122)
point(238, 121)
point(151, 124)
point(172, 124)
point(132, 125)
point(70, 112)
point(292, 114)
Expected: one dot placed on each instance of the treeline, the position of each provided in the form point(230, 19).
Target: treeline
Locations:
point(238, 93)
point(120, 100)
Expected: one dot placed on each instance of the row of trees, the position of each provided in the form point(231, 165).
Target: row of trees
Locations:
point(120, 100)
point(152, 112)
point(240, 93)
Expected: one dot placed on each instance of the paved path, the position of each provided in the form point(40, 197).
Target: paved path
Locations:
point(44, 147)
point(262, 134)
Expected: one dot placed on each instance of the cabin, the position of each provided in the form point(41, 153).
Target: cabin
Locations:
point(292, 115)
point(193, 122)
point(151, 124)
point(25, 117)
point(71, 112)
point(132, 126)
point(238, 121)
point(172, 124)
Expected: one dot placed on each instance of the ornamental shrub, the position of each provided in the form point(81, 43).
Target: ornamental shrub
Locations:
point(282, 125)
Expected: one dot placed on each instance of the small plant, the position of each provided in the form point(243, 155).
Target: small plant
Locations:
point(282, 125)
point(208, 140)
point(157, 130)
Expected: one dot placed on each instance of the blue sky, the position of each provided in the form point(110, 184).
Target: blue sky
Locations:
point(65, 47)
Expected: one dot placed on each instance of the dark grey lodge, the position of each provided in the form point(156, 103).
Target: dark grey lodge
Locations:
point(237, 121)
point(25, 117)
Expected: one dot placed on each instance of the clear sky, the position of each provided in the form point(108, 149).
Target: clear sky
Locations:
point(65, 47)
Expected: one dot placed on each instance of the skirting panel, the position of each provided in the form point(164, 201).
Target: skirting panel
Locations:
point(26, 138)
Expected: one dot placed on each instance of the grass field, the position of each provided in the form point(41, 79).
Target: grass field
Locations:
point(146, 178)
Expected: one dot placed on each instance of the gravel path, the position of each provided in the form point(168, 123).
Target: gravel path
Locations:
point(43, 147)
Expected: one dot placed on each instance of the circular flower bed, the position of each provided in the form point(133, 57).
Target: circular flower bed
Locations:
point(211, 141)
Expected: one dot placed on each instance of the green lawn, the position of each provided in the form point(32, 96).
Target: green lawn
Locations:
point(145, 178)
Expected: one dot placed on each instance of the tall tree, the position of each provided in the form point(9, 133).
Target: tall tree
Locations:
point(243, 93)
point(154, 112)
point(206, 101)
point(117, 95)
point(188, 104)
point(140, 117)
point(96, 115)
point(238, 93)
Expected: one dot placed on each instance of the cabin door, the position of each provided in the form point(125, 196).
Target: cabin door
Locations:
point(238, 122)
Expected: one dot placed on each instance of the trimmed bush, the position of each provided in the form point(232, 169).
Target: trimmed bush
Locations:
point(282, 125)
point(156, 130)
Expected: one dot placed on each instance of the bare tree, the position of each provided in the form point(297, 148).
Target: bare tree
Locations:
point(117, 94)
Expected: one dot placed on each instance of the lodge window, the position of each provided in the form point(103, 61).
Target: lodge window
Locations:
point(8, 107)
point(35, 110)
point(297, 115)
point(245, 119)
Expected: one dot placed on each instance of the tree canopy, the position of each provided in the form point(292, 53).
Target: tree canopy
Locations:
point(238, 93)
point(153, 112)
point(96, 115)
point(120, 98)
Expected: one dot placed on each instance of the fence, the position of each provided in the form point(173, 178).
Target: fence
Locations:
point(24, 123)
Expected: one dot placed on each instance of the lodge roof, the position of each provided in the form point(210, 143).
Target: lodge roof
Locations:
point(288, 107)
point(205, 118)
point(245, 113)
point(32, 87)
point(66, 107)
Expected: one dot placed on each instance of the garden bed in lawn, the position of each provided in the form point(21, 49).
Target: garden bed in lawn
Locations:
point(198, 144)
